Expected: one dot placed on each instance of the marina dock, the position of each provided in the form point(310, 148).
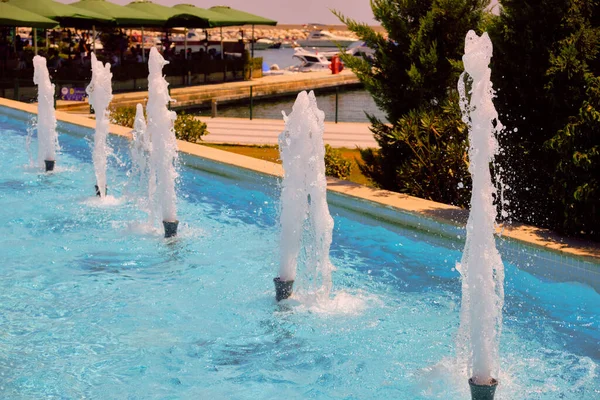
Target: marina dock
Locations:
point(203, 95)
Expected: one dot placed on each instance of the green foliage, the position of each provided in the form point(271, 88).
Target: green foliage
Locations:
point(412, 78)
point(187, 127)
point(546, 69)
point(124, 116)
point(424, 155)
point(335, 164)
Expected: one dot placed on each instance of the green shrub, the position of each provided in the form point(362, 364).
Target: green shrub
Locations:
point(187, 127)
point(424, 155)
point(124, 116)
point(335, 164)
point(546, 73)
point(412, 77)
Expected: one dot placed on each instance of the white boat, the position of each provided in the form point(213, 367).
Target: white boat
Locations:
point(323, 38)
point(196, 41)
point(265, 43)
point(309, 61)
point(357, 49)
point(360, 49)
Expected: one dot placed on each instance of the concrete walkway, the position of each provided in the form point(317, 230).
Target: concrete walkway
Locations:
point(266, 131)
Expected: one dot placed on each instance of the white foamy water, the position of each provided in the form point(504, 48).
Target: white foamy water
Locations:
point(481, 267)
point(100, 94)
point(141, 172)
point(342, 303)
point(46, 118)
point(306, 225)
point(162, 135)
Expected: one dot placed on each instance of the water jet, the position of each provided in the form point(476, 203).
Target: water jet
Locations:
point(481, 267)
point(306, 224)
point(46, 124)
point(98, 191)
point(163, 155)
point(100, 94)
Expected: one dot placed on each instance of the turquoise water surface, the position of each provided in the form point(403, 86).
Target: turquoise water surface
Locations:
point(95, 305)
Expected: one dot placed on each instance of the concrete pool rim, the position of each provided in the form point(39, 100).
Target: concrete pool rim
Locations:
point(563, 259)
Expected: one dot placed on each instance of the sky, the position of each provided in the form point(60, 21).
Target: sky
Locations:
point(288, 11)
point(285, 11)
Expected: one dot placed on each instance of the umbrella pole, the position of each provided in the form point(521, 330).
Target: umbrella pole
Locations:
point(222, 50)
point(143, 43)
point(252, 41)
point(35, 49)
point(94, 38)
point(185, 32)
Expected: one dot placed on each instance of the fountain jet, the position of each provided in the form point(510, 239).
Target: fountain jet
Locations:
point(304, 216)
point(481, 267)
point(46, 124)
point(100, 94)
point(164, 144)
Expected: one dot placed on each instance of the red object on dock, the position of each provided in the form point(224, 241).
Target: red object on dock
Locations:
point(336, 65)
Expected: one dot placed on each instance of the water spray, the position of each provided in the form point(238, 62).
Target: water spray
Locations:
point(481, 267)
point(46, 125)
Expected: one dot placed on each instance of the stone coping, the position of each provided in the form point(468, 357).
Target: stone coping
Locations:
point(435, 217)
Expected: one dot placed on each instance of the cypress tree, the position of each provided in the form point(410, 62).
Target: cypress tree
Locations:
point(546, 69)
point(412, 78)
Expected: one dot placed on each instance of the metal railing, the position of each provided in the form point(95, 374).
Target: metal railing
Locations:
point(339, 104)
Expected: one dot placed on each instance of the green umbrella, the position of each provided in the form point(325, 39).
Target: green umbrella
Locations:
point(214, 19)
point(15, 16)
point(244, 18)
point(68, 16)
point(123, 16)
point(174, 16)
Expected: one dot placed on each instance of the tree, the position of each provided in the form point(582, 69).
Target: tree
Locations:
point(546, 70)
point(412, 78)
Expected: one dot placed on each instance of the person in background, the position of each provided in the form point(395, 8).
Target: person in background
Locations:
point(114, 60)
point(54, 60)
point(4, 52)
point(83, 48)
point(138, 54)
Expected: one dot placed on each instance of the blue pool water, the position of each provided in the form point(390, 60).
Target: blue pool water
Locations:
point(92, 306)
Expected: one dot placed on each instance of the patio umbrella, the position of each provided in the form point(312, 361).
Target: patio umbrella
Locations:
point(66, 15)
point(123, 16)
point(245, 18)
point(15, 16)
point(212, 18)
point(175, 17)
point(10, 15)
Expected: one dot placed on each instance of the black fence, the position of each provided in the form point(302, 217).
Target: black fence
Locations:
point(17, 84)
point(350, 103)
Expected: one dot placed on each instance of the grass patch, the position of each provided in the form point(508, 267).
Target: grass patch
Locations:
point(271, 153)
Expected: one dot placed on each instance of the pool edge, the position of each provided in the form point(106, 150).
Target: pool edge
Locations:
point(438, 218)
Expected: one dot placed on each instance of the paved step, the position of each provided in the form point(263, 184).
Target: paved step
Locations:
point(266, 131)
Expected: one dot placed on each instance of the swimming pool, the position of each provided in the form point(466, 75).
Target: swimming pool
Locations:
point(94, 306)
